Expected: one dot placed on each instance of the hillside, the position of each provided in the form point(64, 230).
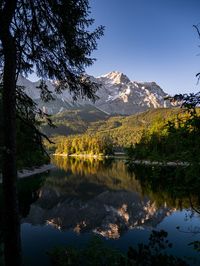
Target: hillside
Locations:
point(123, 130)
point(74, 121)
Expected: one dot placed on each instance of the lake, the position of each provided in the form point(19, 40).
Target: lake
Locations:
point(82, 198)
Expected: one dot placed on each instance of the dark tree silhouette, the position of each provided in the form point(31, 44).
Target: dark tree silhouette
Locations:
point(54, 37)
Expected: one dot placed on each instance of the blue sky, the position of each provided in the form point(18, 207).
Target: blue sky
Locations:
point(149, 40)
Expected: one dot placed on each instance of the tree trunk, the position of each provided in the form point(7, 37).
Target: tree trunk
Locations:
point(11, 229)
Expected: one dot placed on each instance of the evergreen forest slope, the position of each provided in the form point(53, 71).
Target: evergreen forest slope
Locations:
point(122, 130)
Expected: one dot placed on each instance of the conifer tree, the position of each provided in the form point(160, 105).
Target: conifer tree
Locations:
point(51, 37)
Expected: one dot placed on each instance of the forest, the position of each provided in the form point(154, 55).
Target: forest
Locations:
point(176, 139)
point(85, 144)
point(122, 131)
point(158, 134)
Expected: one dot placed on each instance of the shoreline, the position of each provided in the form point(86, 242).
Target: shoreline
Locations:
point(164, 163)
point(30, 172)
point(46, 167)
point(95, 156)
point(123, 156)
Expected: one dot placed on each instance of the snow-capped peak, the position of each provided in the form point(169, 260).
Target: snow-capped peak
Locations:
point(116, 95)
point(116, 77)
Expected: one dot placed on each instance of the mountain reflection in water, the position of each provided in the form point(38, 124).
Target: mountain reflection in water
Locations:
point(80, 198)
point(97, 196)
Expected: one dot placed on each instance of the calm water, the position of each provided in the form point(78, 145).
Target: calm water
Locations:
point(81, 198)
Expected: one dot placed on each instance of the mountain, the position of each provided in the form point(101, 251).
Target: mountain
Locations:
point(117, 95)
point(62, 101)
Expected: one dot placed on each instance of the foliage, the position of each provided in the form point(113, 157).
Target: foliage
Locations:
point(30, 150)
point(46, 45)
point(123, 130)
point(176, 139)
point(55, 39)
point(85, 144)
point(97, 253)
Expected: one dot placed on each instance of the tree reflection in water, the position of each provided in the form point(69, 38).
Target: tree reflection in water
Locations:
point(107, 198)
point(177, 187)
point(104, 197)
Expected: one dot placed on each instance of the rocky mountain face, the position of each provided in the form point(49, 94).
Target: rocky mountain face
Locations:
point(117, 95)
point(121, 96)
